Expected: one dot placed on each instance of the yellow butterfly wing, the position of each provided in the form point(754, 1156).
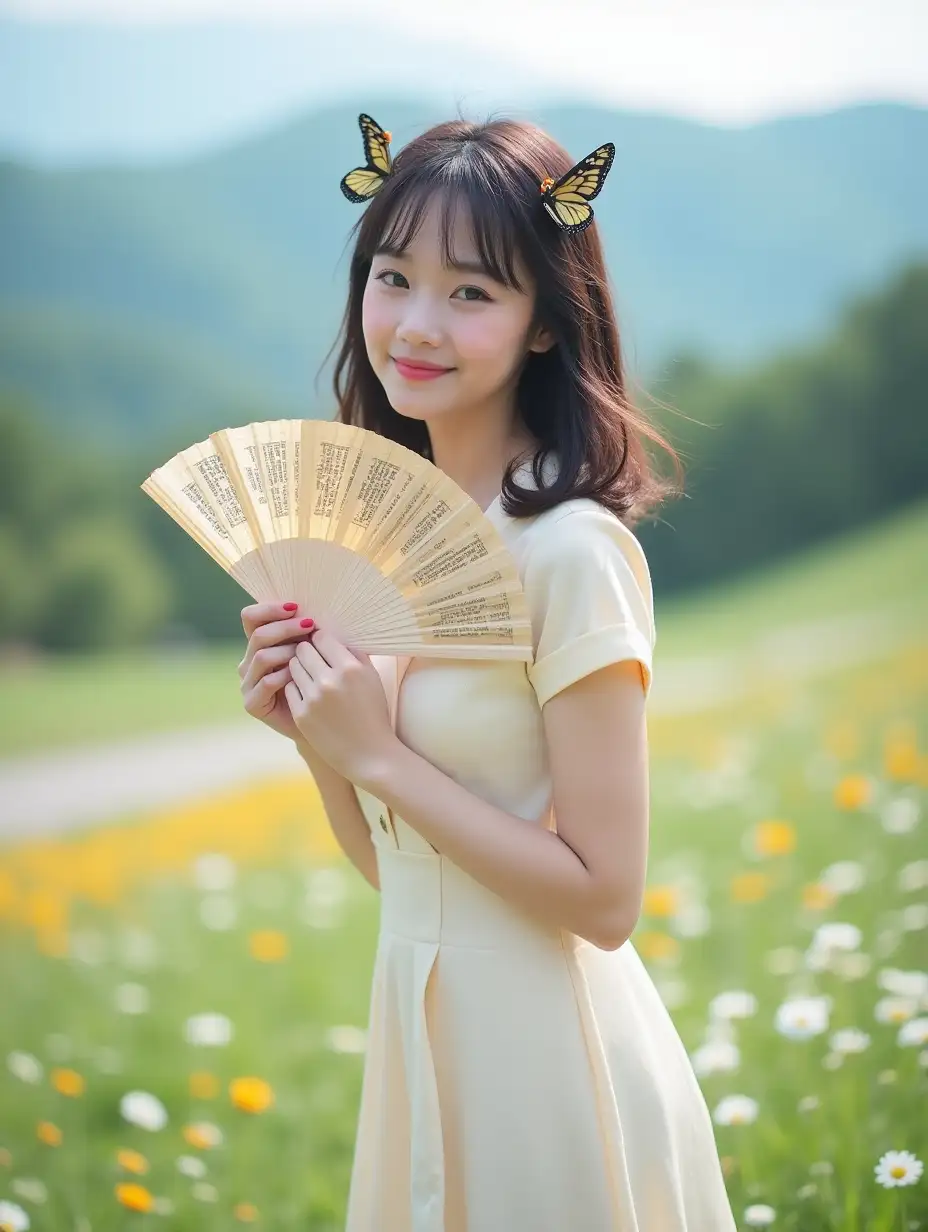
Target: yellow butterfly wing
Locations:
point(376, 144)
point(363, 182)
point(568, 200)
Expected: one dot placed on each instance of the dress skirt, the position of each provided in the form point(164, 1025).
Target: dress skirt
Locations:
point(518, 1078)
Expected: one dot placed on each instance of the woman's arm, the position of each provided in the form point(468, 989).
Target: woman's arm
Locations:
point(346, 819)
point(593, 887)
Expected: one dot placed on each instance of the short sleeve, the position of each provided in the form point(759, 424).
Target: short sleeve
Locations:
point(588, 590)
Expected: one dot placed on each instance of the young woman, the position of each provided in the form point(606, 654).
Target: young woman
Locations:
point(522, 1072)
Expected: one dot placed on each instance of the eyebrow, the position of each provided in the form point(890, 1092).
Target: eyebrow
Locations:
point(465, 267)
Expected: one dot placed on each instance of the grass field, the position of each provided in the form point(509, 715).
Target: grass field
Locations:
point(788, 866)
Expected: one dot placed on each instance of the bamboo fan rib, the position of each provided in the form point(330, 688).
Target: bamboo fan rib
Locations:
point(377, 543)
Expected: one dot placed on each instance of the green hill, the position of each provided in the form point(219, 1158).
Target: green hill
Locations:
point(225, 273)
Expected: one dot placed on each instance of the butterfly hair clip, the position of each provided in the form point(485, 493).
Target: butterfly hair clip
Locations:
point(568, 199)
point(364, 182)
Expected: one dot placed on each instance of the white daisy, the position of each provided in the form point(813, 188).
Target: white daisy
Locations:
point(326, 885)
point(132, 999)
point(837, 935)
point(88, 945)
point(802, 1017)
point(208, 1030)
point(736, 1110)
point(903, 983)
point(203, 1191)
point(674, 992)
point(852, 966)
point(219, 912)
point(900, 815)
point(809, 1103)
point(25, 1067)
point(191, 1165)
point(915, 917)
point(13, 1217)
point(821, 1167)
point(30, 1188)
point(914, 876)
point(346, 1039)
point(850, 1040)
point(759, 1216)
point(716, 1058)
point(693, 919)
point(138, 949)
point(895, 1009)
point(913, 1033)
point(898, 1168)
point(214, 871)
point(845, 877)
point(735, 1004)
point(143, 1109)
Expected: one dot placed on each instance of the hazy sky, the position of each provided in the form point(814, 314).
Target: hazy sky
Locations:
point(85, 75)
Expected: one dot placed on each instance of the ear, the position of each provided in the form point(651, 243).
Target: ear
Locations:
point(543, 341)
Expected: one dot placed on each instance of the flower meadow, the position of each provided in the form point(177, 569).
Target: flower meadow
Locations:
point(186, 994)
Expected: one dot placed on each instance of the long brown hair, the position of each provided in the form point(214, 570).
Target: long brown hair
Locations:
point(572, 398)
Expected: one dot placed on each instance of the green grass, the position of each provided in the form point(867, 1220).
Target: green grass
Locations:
point(777, 753)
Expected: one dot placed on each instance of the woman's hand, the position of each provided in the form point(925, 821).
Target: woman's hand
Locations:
point(339, 706)
point(271, 632)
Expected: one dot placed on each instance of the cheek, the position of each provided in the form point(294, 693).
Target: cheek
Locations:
point(376, 320)
point(491, 339)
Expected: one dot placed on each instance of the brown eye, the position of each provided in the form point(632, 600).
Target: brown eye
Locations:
point(481, 293)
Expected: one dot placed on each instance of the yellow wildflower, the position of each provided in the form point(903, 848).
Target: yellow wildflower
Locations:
point(268, 945)
point(774, 838)
point(203, 1085)
point(853, 791)
point(135, 1197)
point(660, 901)
point(251, 1094)
point(67, 1082)
point(48, 1133)
point(749, 887)
point(816, 897)
point(132, 1161)
point(656, 945)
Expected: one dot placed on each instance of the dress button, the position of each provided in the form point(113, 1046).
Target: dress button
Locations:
point(383, 823)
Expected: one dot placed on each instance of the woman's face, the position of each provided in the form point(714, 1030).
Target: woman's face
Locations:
point(457, 317)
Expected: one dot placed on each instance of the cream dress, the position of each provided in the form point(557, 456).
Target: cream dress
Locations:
point(518, 1078)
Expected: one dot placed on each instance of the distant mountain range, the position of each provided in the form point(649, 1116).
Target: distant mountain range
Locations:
point(144, 305)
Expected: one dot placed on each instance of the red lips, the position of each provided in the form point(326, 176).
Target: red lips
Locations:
point(422, 364)
point(417, 370)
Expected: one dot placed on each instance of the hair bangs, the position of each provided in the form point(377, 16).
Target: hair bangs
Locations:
point(493, 219)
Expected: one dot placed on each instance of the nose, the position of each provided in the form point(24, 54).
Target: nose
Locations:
point(420, 324)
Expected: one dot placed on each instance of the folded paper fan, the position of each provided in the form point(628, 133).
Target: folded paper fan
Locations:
point(377, 543)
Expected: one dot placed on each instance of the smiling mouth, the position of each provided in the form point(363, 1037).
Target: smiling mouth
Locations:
point(414, 373)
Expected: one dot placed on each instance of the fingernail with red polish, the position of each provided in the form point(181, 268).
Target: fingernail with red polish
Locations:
point(290, 607)
point(307, 623)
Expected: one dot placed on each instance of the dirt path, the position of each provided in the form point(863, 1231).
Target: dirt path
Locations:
point(50, 792)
